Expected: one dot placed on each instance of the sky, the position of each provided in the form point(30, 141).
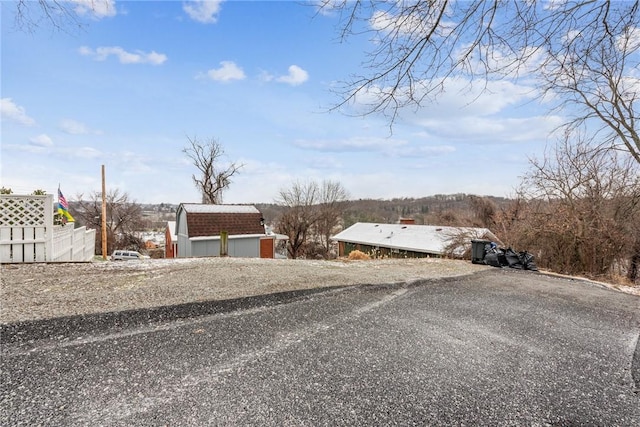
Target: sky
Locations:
point(141, 78)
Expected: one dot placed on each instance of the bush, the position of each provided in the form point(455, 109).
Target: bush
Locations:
point(358, 255)
point(157, 253)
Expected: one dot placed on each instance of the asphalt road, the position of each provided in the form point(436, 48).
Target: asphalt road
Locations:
point(500, 348)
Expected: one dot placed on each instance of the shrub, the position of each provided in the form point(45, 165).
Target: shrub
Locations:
point(358, 255)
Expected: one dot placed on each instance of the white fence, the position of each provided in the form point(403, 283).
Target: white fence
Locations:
point(73, 244)
point(27, 233)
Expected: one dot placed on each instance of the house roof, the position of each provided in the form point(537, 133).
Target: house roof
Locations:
point(410, 237)
point(210, 220)
point(270, 232)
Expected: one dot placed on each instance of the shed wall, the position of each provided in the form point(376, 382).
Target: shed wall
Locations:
point(245, 247)
point(239, 247)
point(184, 246)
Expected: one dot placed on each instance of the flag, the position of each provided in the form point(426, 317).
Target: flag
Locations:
point(63, 207)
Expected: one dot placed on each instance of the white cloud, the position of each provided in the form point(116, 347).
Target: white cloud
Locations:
point(630, 41)
point(350, 144)
point(296, 76)
point(423, 151)
point(15, 113)
point(265, 76)
point(494, 113)
point(630, 86)
point(407, 23)
point(524, 63)
point(492, 130)
point(73, 127)
point(42, 140)
point(131, 163)
point(328, 7)
point(43, 145)
point(204, 11)
point(387, 22)
point(22, 148)
point(553, 4)
point(459, 97)
point(324, 162)
point(97, 8)
point(229, 71)
point(86, 153)
point(137, 57)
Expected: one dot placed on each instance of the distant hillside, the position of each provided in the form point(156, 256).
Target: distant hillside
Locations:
point(440, 209)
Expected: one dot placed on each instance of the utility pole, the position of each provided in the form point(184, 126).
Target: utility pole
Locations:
point(104, 216)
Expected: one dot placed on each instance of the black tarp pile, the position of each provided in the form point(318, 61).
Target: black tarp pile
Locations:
point(500, 257)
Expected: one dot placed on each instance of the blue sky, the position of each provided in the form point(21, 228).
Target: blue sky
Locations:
point(141, 77)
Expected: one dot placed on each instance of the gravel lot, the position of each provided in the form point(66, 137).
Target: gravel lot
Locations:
point(41, 291)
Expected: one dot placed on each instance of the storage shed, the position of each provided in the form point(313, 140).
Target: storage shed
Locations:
point(199, 228)
point(409, 240)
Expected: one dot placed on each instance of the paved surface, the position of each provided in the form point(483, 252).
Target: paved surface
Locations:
point(499, 348)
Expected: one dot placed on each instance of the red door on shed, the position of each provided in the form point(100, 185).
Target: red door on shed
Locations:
point(267, 247)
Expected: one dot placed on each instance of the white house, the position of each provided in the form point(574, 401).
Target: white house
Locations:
point(409, 240)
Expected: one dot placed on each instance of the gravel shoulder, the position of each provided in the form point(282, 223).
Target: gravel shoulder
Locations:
point(42, 291)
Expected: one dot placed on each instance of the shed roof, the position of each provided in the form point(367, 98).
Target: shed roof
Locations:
point(410, 237)
point(211, 220)
point(205, 208)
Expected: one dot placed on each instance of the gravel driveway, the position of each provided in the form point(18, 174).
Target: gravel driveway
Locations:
point(41, 291)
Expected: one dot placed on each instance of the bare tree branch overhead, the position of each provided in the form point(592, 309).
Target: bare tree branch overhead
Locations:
point(582, 54)
point(59, 15)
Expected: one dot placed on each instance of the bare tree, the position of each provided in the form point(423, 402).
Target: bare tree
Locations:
point(584, 52)
point(313, 213)
point(124, 218)
point(332, 203)
point(448, 217)
point(213, 179)
point(300, 215)
point(484, 211)
point(583, 210)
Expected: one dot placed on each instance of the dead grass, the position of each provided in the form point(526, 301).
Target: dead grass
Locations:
point(358, 255)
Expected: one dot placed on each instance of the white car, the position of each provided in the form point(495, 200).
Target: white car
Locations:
point(127, 255)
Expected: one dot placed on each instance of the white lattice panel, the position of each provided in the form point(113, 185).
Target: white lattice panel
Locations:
point(25, 222)
point(25, 211)
point(27, 233)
